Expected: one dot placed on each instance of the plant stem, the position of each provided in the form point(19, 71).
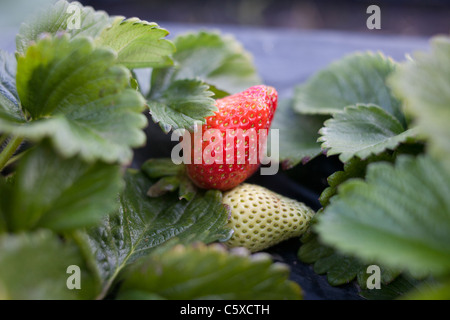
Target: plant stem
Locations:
point(16, 158)
point(9, 151)
point(3, 138)
point(81, 239)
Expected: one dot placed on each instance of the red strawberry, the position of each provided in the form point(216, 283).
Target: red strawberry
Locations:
point(250, 110)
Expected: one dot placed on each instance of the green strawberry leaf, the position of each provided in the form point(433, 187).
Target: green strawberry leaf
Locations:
point(298, 135)
point(362, 131)
point(356, 79)
point(388, 275)
point(401, 288)
point(186, 273)
point(143, 223)
point(187, 189)
point(9, 99)
point(164, 185)
point(399, 217)
point(33, 266)
point(60, 17)
point(354, 168)
point(218, 94)
point(160, 167)
point(424, 84)
point(172, 177)
point(139, 44)
point(340, 269)
point(59, 194)
point(183, 104)
point(207, 64)
point(74, 94)
point(219, 60)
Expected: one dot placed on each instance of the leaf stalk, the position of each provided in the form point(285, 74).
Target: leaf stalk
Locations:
point(9, 150)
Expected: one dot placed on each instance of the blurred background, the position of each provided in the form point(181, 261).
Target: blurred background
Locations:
point(404, 17)
point(410, 17)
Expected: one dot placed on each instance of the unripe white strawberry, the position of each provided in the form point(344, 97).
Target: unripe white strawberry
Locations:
point(262, 218)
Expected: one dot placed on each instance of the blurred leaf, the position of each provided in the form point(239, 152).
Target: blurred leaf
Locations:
point(387, 275)
point(6, 190)
point(439, 290)
point(399, 217)
point(82, 103)
point(33, 267)
point(218, 94)
point(160, 167)
point(60, 194)
point(201, 272)
point(187, 189)
point(354, 168)
point(207, 64)
point(219, 60)
point(297, 136)
point(143, 223)
point(138, 43)
point(56, 18)
point(358, 78)
point(424, 84)
point(361, 131)
point(172, 177)
point(9, 99)
point(182, 104)
point(340, 269)
point(164, 185)
point(399, 288)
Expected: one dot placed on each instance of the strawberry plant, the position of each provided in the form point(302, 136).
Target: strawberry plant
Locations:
point(71, 113)
point(92, 223)
point(388, 206)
